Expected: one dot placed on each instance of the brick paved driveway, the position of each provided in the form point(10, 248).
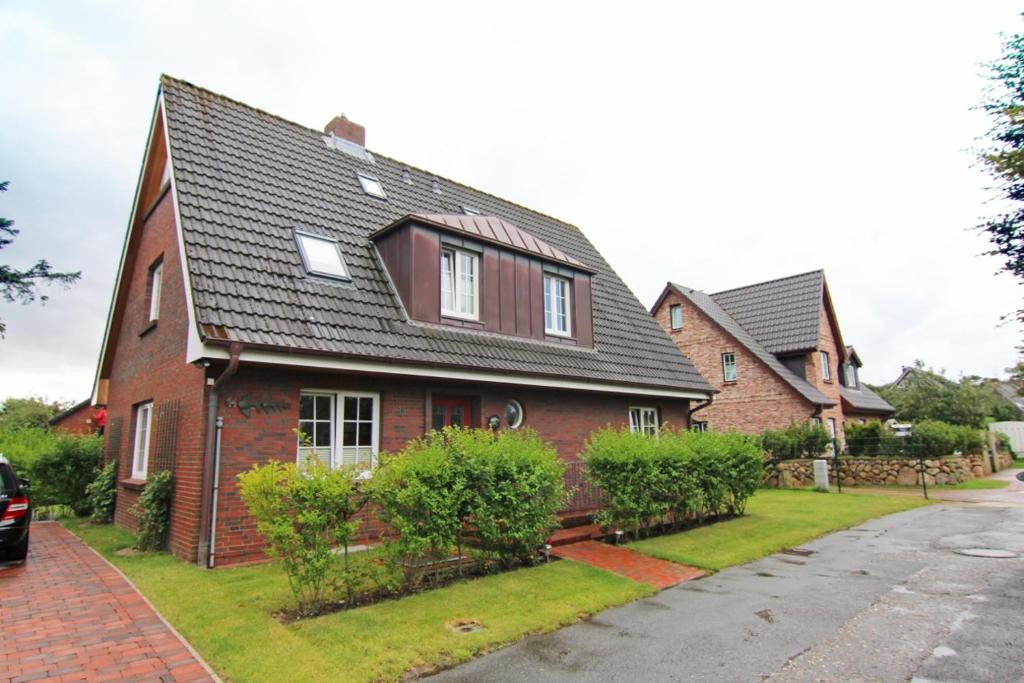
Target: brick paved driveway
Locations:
point(67, 615)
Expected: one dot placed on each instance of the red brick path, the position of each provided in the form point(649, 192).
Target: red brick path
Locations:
point(67, 615)
point(633, 565)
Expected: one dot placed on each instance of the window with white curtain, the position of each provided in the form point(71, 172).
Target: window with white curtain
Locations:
point(644, 420)
point(339, 427)
point(460, 283)
point(556, 305)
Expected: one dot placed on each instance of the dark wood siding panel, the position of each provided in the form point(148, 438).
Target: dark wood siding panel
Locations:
point(425, 275)
point(582, 308)
point(394, 251)
point(507, 275)
point(490, 290)
point(522, 296)
point(536, 301)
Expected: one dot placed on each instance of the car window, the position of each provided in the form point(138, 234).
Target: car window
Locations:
point(9, 481)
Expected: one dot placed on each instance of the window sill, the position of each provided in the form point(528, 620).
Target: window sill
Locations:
point(133, 484)
point(148, 328)
point(729, 381)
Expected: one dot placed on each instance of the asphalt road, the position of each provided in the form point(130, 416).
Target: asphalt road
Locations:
point(889, 600)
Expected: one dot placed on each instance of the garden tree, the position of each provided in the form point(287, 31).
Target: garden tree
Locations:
point(928, 395)
point(20, 285)
point(27, 413)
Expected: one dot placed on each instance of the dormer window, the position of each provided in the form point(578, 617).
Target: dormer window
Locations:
point(460, 284)
point(851, 375)
point(321, 256)
point(371, 185)
point(556, 305)
point(826, 371)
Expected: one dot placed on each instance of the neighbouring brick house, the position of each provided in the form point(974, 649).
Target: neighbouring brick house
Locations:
point(860, 404)
point(278, 280)
point(78, 419)
point(772, 350)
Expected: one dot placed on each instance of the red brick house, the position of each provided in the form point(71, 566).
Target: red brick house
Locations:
point(75, 420)
point(278, 280)
point(772, 350)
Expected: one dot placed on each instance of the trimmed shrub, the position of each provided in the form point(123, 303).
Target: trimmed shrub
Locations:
point(22, 447)
point(303, 513)
point(796, 441)
point(515, 487)
point(1004, 444)
point(102, 494)
point(870, 439)
point(678, 476)
point(61, 475)
point(498, 491)
point(153, 510)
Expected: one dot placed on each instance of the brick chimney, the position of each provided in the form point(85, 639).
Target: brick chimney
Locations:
point(341, 127)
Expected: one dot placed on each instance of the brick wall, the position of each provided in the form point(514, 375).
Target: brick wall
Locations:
point(563, 418)
point(757, 400)
point(827, 342)
point(148, 364)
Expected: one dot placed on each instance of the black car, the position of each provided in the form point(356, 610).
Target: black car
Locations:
point(15, 514)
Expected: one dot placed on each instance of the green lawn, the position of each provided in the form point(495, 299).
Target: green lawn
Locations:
point(1017, 465)
point(775, 519)
point(226, 615)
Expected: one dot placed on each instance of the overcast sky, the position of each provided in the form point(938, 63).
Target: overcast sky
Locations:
point(713, 144)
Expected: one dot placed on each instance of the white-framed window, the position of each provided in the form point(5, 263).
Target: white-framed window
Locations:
point(156, 284)
point(321, 256)
point(339, 427)
point(460, 283)
point(826, 371)
point(729, 367)
point(815, 421)
point(371, 185)
point(140, 449)
point(851, 375)
point(699, 426)
point(832, 427)
point(643, 420)
point(675, 312)
point(557, 319)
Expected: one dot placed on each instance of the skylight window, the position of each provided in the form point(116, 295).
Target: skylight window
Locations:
point(371, 185)
point(321, 256)
point(470, 211)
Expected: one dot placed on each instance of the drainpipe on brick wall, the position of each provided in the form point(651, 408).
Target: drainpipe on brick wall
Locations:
point(700, 406)
point(211, 463)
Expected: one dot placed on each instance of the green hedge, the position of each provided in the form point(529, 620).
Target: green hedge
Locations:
point(928, 438)
point(61, 475)
point(499, 492)
point(678, 476)
point(796, 441)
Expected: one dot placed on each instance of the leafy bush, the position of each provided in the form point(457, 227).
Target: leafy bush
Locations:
point(303, 512)
point(1004, 444)
point(501, 491)
point(22, 447)
point(679, 475)
point(102, 494)
point(153, 510)
point(61, 475)
point(796, 441)
point(515, 487)
point(873, 438)
point(27, 413)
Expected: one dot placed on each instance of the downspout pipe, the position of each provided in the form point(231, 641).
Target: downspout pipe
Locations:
point(700, 406)
point(211, 461)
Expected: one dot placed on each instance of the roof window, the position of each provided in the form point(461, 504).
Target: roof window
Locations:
point(470, 211)
point(371, 185)
point(406, 176)
point(321, 256)
point(435, 187)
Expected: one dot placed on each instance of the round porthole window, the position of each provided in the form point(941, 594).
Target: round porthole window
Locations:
point(513, 414)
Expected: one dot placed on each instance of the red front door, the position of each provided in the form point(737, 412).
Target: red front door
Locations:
point(449, 411)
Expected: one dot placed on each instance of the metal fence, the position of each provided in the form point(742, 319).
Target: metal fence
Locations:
point(582, 494)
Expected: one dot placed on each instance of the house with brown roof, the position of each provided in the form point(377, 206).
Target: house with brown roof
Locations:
point(860, 404)
point(773, 351)
point(278, 280)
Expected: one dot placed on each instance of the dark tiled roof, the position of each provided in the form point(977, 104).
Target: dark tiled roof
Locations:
point(492, 229)
point(784, 314)
point(713, 310)
point(245, 179)
point(69, 411)
point(862, 398)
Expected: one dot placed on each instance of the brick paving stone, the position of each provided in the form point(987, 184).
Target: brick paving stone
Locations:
point(68, 615)
point(625, 562)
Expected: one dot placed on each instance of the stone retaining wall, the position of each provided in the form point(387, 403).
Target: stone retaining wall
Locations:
point(880, 471)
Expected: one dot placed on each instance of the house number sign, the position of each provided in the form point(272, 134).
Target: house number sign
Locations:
point(247, 404)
